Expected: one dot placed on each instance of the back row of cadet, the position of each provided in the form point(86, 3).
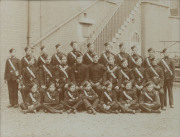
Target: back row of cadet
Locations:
point(111, 83)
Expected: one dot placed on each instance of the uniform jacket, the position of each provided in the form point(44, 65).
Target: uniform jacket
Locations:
point(122, 55)
point(10, 73)
point(71, 60)
point(41, 62)
point(147, 62)
point(138, 79)
point(75, 96)
point(151, 76)
point(52, 98)
point(87, 58)
point(104, 99)
point(55, 58)
point(129, 73)
point(132, 93)
point(132, 65)
point(103, 58)
point(96, 71)
point(166, 72)
point(25, 61)
point(35, 95)
point(91, 94)
point(113, 74)
point(153, 95)
point(79, 74)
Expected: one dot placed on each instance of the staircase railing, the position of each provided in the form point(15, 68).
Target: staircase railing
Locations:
point(111, 27)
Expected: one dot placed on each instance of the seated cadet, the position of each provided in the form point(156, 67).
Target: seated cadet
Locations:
point(51, 100)
point(139, 76)
point(72, 100)
point(79, 72)
point(128, 99)
point(32, 103)
point(88, 58)
point(96, 71)
point(156, 75)
point(149, 100)
point(103, 58)
point(56, 58)
point(71, 57)
point(147, 60)
point(62, 76)
point(46, 74)
point(113, 74)
point(122, 55)
point(29, 76)
point(127, 73)
point(108, 101)
point(89, 97)
point(133, 56)
point(42, 57)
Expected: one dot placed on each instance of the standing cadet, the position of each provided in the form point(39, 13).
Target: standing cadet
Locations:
point(62, 76)
point(87, 58)
point(133, 56)
point(71, 57)
point(56, 58)
point(139, 76)
point(103, 58)
point(167, 65)
point(29, 76)
point(96, 71)
point(122, 55)
point(11, 76)
point(79, 72)
point(127, 73)
point(42, 58)
point(155, 74)
point(113, 74)
point(149, 100)
point(147, 60)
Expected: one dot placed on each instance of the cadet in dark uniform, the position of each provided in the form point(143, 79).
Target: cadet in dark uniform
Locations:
point(89, 97)
point(87, 58)
point(29, 76)
point(127, 73)
point(149, 100)
point(167, 65)
point(62, 76)
point(108, 100)
point(133, 56)
point(122, 55)
point(96, 71)
point(32, 103)
point(113, 74)
point(139, 76)
point(79, 72)
point(72, 100)
point(147, 60)
point(42, 58)
point(56, 58)
point(11, 76)
point(71, 57)
point(155, 74)
point(51, 100)
point(103, 58)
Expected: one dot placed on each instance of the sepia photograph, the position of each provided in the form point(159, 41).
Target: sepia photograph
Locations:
point(90, 68)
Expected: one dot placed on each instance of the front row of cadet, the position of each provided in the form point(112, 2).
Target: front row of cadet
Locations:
point(109, 101)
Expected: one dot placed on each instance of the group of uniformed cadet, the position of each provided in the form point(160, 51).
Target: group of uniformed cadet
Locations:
point(110, 83)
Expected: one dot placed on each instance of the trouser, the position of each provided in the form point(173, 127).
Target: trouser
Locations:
point(61, 93)
point(24, 93)
point(91, 103)
point(125, 109)
point(52, 108)
point(98, 90)
point(41, 91)
point(148, 109)
point(138, 93)
point(168, 85)
point(72, 104)
point(36, 106)
point(161, 96)
point(13, 92)
point(113, 107)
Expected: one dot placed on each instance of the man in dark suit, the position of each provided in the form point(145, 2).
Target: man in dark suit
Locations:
point(167, 65)
point(12, 75)
point(147, 60)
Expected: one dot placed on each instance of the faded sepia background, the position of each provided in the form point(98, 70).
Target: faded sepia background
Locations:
point(146, 23)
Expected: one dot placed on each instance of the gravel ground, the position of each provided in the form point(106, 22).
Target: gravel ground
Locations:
point(16, 124)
